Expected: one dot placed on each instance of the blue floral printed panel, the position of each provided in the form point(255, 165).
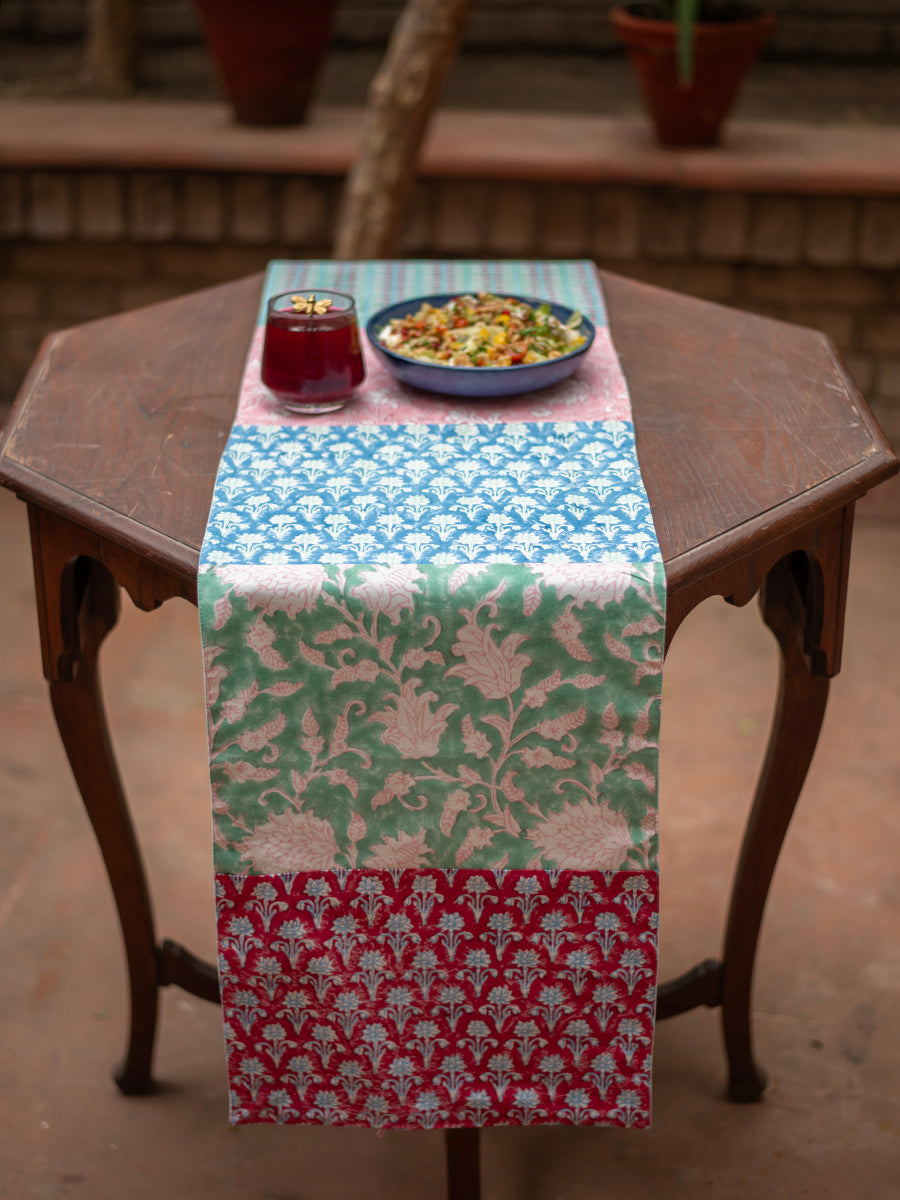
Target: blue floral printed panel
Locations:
point(564, 492)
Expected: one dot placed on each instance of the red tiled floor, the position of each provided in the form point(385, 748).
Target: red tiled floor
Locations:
point(827, 983)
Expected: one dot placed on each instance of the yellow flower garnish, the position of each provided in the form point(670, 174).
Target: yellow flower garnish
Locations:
point(310, 305)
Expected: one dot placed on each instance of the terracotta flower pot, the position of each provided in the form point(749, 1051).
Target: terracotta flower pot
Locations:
point(267, 54)
point(691, 114)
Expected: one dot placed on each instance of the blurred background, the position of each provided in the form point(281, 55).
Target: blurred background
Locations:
point(796, 215)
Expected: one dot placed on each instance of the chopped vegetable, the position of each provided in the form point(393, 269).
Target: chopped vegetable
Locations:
point(483, 330)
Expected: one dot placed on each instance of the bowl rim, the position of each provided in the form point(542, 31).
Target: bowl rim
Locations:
point(481, 372)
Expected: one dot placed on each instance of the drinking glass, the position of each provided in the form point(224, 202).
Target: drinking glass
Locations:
point(312, 359)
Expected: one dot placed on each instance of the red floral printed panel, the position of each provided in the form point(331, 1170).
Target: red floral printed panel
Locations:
point(423, 999)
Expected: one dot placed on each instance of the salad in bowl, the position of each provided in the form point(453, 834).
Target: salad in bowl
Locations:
point(480, 344)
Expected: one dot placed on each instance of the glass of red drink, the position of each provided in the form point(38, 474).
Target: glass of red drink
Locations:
point(312, 359)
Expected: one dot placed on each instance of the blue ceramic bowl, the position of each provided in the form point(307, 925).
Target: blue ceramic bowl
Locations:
point(474, 382)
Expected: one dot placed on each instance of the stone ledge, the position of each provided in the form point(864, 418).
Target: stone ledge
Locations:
point(760, 156)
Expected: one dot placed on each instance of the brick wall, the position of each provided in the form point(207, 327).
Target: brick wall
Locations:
point(849, 29)
point(81, 244)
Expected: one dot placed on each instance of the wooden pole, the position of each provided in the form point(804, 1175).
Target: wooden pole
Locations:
point(423, 44)
point(110, 50)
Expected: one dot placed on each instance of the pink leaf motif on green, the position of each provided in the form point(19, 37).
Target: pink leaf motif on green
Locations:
point(396, 785)
point(214, 677)
point(416, 659)
point(283, 688)
point(540, 756)
point(389, 590)
point(639, 772)
point(557, 728)
point(612, 735)
point(531, 599)
point(505, 820)
point(647, 668)
point(536, 696)
point(587, 681)
point(619, 649)
point(296, 841)
point(222, 610)
point(339, 737)
point(469, 777)
point(439, 773)
point(584, 837)
point(211, 653)
point(476, 839)
point(257, 739)
point(406, 850)
point(214, 674)
point(462, 574)
point(410, 726)
point(235, 708)
point(356, 830)
point(259, 638)
point(649, 624)
point(313, 744)
point(511, 789)
point(474, 741)
point(338, 632)
point(567, 630)
point(340, 776)
point(366, 669)
point(316, 657)
point(456, 802)
point(501, 724)
point(495, 670)
point(241, 771)
point(638, 741)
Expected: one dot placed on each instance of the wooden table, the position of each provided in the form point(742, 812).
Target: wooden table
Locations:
point(754, 446)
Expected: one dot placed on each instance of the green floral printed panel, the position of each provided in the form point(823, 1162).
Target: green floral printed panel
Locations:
point(434, 716)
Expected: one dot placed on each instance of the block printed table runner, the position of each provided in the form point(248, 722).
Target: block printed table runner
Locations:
point(433, 638)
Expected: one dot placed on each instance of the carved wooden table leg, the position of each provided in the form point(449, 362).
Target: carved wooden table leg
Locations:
point(803, 605)
point(463, 1165)
point(78, 604)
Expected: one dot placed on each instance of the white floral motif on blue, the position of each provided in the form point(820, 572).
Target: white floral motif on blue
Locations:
point(564, 492)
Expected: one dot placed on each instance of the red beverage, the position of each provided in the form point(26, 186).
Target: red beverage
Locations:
point(312, 358)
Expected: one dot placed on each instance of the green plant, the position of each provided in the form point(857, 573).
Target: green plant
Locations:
point(685, 14)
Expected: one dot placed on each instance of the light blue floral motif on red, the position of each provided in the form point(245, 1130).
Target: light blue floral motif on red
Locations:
point(423, 999)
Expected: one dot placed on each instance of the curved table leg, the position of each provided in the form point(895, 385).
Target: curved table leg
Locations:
point(800, 708)
point(78, 604)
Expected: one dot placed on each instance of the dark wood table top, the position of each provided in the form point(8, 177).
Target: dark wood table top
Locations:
point(747, 428)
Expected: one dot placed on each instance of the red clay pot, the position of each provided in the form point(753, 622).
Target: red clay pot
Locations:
point(268, 54)
point(691, 114)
